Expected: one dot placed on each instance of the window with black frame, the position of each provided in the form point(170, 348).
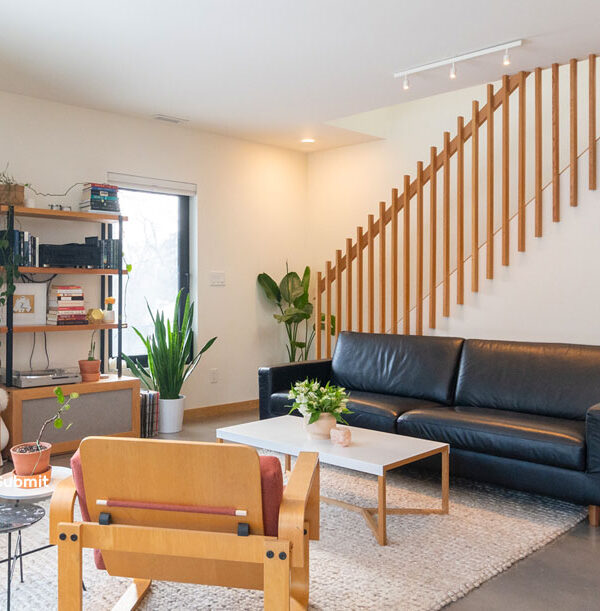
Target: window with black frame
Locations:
point(156, 246)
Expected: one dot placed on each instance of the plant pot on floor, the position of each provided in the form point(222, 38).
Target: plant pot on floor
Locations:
point(28, 460)
point(90, 370)
point(319, 429)
point(170, 415)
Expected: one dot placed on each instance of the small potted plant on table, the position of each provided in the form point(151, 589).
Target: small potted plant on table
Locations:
point(90, 367)
point(321, 406)
point(32, 459)
point(170, 362)
point(109, 313)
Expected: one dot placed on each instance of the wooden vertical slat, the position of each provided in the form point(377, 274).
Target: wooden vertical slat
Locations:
point(382, 276)
point(406, 257)
point(521, 160)
point(505, 172)
point(555, 147)
point(394, 259)
point(349, 284)
point(432, 236)
point(573, 132)
point(446, 225)
point(460, 211)
point(592, 122)
point(328, 310)
point(371, 273)
point(475, 196)
point(318, 333)
point(338, 292)
point(359, 279)
point(538, 153)
point(489, 273)
point(419, 287)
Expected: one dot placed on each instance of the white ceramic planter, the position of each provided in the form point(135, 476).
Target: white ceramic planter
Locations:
point(319, 429)
point(170, 415)
point(109, 317)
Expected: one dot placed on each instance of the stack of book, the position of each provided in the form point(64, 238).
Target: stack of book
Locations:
point(65, 305)
point(108, 252)
point(148, 413)
point(27, 248)
point(98, 197)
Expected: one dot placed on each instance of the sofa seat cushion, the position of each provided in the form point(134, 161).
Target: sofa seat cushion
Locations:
point(370, 410)
point(540, 439)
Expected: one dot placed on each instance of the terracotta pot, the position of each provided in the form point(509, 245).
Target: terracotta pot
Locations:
point(30, 463)
point(321, 428)
point(90, 370)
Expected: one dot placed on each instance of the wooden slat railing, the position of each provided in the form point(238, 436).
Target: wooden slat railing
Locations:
point(383, 272)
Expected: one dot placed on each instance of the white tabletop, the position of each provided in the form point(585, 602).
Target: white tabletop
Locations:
point(10, 490)
point(370, 451)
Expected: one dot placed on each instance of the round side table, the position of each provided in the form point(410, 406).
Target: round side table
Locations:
point(16, 517)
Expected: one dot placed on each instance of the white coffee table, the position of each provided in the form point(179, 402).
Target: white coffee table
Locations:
point(10, 490)
point(371, 452)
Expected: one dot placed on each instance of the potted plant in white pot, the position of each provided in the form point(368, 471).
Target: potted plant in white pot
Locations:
point(321, 406)
point(170, 362)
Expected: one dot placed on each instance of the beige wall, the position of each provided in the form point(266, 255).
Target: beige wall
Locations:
point(250, 200)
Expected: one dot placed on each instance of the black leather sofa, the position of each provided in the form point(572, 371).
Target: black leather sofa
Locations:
point(522, 415)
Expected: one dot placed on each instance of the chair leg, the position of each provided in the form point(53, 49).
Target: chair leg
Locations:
point(300, 576)
point(133, 595)
point(69, 568)
point(594, 515)
point(277, 576)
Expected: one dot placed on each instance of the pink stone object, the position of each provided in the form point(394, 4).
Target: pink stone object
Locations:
point(340, 437)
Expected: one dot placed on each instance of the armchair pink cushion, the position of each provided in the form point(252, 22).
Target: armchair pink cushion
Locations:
point(271, 480)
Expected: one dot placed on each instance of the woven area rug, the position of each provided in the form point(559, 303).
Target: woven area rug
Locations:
point(429, 562)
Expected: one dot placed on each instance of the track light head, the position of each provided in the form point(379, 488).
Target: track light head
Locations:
point(405, 83)
point(506, 58)
point(453, 71)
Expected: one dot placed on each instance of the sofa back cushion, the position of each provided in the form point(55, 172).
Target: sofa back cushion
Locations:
point(560, 380)
point(404, 365)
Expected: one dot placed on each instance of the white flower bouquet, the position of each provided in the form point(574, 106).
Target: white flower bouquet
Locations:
point(312, 399)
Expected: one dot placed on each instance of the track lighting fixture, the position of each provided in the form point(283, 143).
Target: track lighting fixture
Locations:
point(453, 71)
point(405, 84)
point(506, 58)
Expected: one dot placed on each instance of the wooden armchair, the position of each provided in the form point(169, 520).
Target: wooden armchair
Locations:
point(203, 513)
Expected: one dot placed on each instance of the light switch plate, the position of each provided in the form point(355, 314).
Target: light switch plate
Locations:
point(216, 278)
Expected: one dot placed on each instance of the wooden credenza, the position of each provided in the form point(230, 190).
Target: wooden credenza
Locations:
point(110, 406)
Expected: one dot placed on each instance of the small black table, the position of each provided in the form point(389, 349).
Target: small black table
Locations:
point(16, 516)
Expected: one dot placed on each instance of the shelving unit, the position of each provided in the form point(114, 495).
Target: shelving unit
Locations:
point(106, 222)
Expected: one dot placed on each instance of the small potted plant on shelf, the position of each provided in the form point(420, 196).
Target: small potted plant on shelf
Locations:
point(33, 458)
point(170, 362)
point(321, 406)
point(11, 192)
point(90, 367)
point(109, 313)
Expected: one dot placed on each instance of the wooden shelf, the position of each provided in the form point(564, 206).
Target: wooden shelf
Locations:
point(63, 215)
point(69, 270)
point(54, 328)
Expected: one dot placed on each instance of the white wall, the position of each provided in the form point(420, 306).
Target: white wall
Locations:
point(346, 184)
point(250, 200)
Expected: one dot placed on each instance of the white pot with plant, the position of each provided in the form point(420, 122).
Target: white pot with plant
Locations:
point(170, 362)
point(109, 313)
point(321, 406)
point(32, 458)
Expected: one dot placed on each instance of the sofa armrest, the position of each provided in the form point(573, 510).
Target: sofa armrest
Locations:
point(280, 378)
point(592, 438)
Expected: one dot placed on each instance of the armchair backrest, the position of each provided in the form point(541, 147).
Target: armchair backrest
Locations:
point(165, 477)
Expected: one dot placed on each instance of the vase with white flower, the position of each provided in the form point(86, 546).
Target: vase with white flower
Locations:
point(321, 406)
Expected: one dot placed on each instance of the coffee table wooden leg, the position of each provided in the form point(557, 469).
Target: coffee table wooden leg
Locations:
point(381, 510)
point(445, 480)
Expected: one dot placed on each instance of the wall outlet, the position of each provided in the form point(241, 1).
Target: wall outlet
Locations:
point(213, 376)
point(216, 278)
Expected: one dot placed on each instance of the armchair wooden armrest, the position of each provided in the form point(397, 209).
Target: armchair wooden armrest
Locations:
point(62, 506)
point(300, 505)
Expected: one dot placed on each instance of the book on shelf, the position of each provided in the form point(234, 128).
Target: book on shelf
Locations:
point(148, 413)
point(25, 246)
point(62, 323)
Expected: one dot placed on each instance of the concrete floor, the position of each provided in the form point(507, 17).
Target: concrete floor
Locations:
point(563, 575)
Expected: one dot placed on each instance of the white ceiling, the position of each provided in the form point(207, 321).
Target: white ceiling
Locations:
point(273, 71)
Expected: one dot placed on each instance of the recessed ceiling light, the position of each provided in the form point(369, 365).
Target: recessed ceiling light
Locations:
point(307, 140)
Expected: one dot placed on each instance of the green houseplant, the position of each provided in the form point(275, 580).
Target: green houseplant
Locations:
point(33, 457)
point(291, 296)
point(90, 367)
point(170, 361)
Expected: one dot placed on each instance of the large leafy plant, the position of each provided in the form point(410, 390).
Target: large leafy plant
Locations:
point(292, 299)
point(169, 349)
